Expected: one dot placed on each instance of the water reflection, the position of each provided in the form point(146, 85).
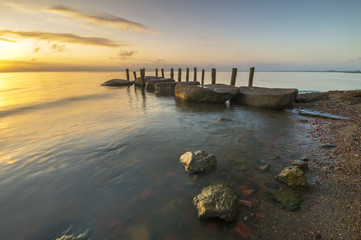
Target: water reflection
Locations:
point(107, 159)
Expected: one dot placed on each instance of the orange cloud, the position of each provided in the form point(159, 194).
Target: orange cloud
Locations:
point(61, 37)
point(105, 20)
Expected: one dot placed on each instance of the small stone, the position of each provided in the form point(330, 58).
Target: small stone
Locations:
point(245, 203)
point(288, 199)
point(198, 161)
point(224, 119)
point(217, 201)
point(242, 230)
point(293, 177)
point(328, 145)
point(264, 167)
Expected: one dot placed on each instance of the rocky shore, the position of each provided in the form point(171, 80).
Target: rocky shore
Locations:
point(332, 206)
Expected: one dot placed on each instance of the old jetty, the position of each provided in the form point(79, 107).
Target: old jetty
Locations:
point(195, 91)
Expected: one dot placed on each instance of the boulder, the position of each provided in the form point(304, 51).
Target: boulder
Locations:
point(217, 201)
point(214, 93)
point(150, 84)
point(198, 161)
point(117, 83)
point(288, 199)
point(138, 81)
point(165, 88)
point(277, 98)
point(293, 177)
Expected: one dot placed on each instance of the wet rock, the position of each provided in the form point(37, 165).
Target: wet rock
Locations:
point(217, 201)
point(277, 98)
point(288, 199)
point(138, 81)
point(315, 113)
point(301, 165)
point(264, 167)
point(328, 145)
point(292, 177)
point(164, 88)
point(150, 84)
point(311, 97)
point(214, 93)
point(117, 83)
point(224, 119)
point(198, 161)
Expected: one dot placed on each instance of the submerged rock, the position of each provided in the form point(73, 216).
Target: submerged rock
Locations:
point(292, 177)
point(198, 161)
point(117, 83)
point(214, 93)
point(217, 201)
point(277, 98)
point(288, 199)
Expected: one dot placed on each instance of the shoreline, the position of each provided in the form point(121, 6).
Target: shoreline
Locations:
point(332, 205)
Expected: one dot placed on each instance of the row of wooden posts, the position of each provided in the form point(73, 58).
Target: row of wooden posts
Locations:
point(213, 74)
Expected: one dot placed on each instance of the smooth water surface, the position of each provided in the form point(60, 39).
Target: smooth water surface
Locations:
point(76, 157)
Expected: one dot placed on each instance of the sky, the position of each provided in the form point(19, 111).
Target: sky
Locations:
point(110, 35)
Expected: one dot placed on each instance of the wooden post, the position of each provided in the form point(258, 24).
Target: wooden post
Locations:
point(251, 73)
point(135, 75)
point(172, 73)
point(179, 74)
point(162, 72)
point(213, 76)
point(142, 74)
point(156, 72)
point(234, 75)
point(127, 71)
point(187, 74)
point(195, 75)
point(202, 76)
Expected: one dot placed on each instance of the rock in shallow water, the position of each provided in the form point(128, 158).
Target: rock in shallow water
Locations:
point(288, 199)
point(117, 83)
point(293, 177)
point(217, 201)
point(213, 93)
point(198, 161)
point(277, 98)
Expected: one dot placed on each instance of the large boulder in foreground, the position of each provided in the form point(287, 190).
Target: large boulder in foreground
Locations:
point(150, 84)
point(198, 161)
point(277, 98)
point(117, 83)
point(164, 88)
point(214, 93)
point(293, 177)
point(217, 201)
point(138, 81)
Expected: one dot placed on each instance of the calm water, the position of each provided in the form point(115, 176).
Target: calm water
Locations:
point(76, 157)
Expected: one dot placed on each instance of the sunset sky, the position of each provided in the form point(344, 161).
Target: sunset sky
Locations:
point(279, 35)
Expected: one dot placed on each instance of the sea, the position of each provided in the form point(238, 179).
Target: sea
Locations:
point(86, 161)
